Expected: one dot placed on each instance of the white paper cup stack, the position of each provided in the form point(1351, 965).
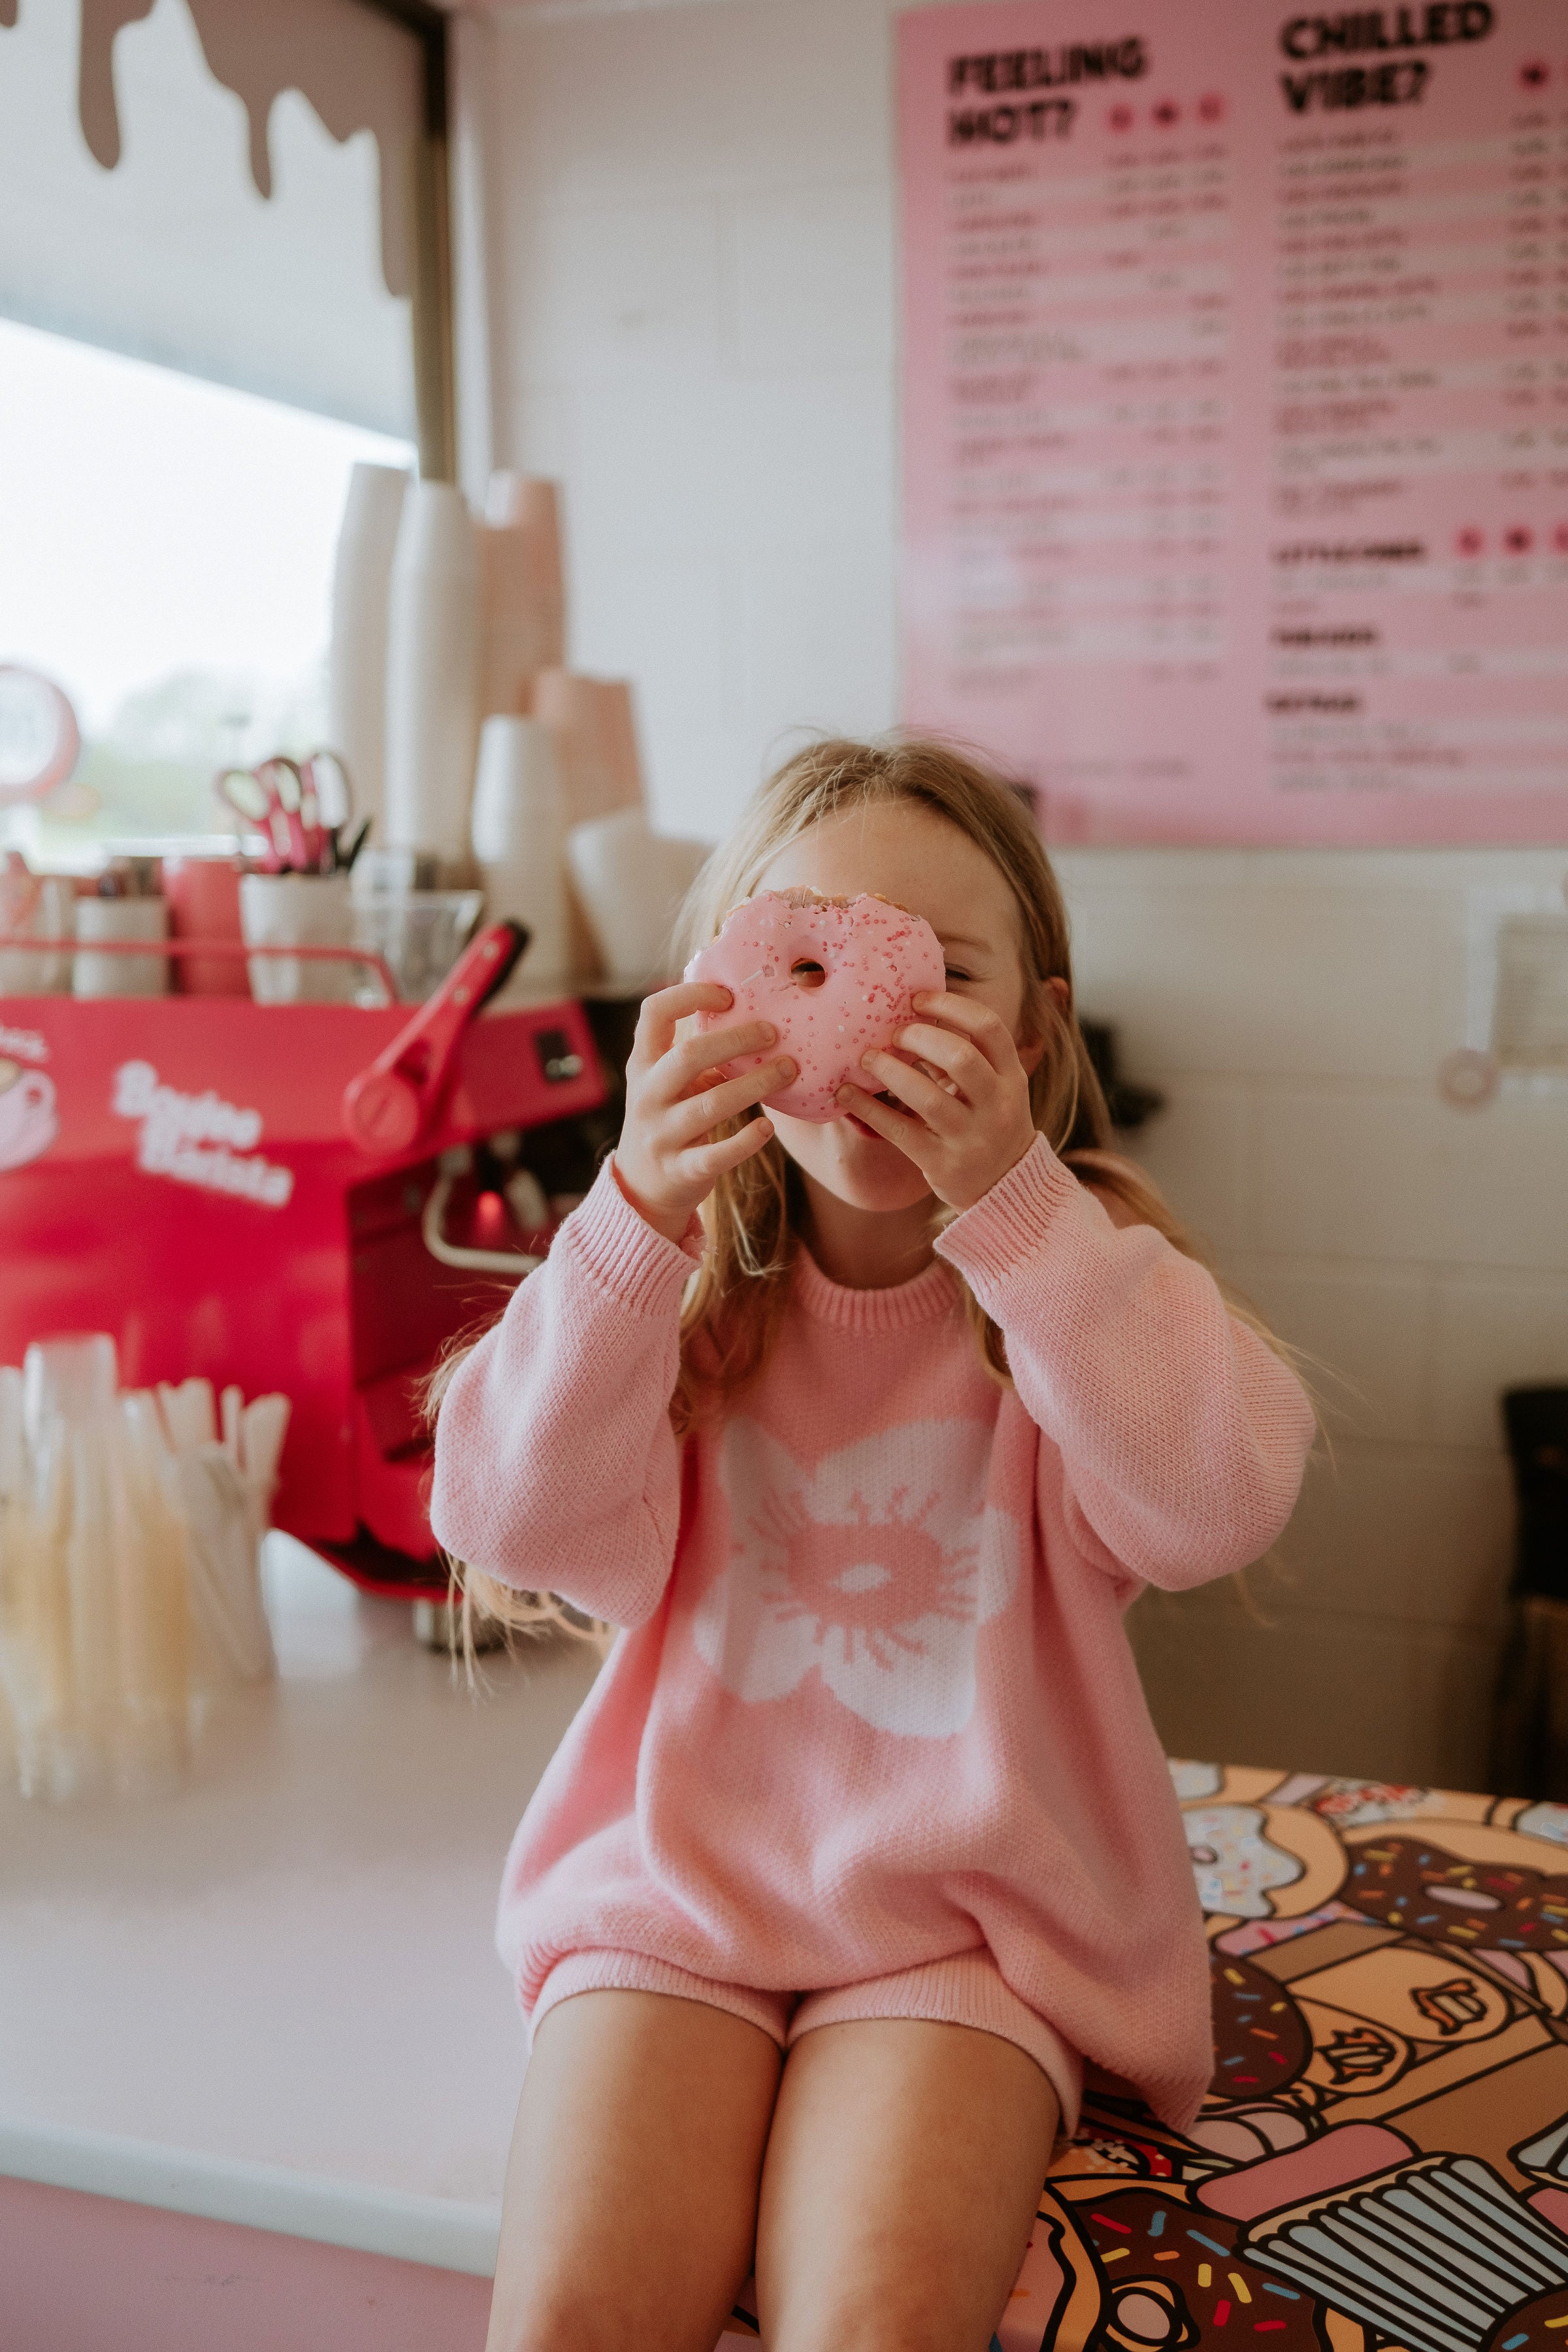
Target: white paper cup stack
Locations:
point(432, 677)
point(356, 667)
point(630, 882)
point(595, 729)
point(595, 733)
point(518, 837)
point(522, 601)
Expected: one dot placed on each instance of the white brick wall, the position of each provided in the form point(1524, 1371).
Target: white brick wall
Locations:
point(1295, 1007)
point(696, 253)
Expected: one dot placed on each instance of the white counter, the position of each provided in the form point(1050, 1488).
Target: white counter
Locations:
point(274, 1998)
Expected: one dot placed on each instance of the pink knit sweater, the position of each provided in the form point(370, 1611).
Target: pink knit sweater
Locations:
point(875, 1705)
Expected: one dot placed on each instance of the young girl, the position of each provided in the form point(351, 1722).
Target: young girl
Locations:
point(867, 1432)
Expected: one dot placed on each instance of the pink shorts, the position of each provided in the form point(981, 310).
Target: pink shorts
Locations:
point(965, 1991)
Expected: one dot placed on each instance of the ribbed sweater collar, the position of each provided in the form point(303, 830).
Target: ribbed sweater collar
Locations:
point(924, 1299)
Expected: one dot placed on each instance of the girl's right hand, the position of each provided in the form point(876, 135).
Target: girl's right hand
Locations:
point(665, 1163)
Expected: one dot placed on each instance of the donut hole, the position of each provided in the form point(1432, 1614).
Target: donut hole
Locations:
point(807, 974)
point(1145, 2317)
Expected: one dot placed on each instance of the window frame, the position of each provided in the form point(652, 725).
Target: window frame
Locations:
point(435, 386)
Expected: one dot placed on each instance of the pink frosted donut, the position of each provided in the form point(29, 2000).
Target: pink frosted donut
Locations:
point(835, 976)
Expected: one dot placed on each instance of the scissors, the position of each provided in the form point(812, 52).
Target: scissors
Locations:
point(283, 800)
point(324, 775)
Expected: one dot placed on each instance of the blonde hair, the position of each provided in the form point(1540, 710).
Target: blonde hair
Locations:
point(736, 1299)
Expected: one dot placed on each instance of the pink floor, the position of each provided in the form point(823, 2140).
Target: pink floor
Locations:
point(82, 2273)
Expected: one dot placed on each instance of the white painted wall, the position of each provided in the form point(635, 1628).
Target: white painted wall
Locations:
point(694, 252)
point(697, 249)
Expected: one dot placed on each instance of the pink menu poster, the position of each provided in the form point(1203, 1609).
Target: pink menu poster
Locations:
point(1236, 413)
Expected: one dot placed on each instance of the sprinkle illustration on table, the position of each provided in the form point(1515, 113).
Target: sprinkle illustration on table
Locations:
point(1382, 2153)
point(876, 1571)
point(1382, 2158)
point(198, 1140)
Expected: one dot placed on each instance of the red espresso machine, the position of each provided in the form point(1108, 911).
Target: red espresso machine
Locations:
point(311, 1198)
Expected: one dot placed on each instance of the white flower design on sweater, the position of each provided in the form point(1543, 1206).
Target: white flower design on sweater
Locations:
point(876, 1571)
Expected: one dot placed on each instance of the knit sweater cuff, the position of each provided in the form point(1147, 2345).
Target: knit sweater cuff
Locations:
point(1008, 1225)
point(638, 1266)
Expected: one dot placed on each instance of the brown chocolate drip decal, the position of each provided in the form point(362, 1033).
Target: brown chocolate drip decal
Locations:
point(101, 20)
point(359, 73)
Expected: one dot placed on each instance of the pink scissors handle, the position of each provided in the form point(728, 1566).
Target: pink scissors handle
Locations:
point(256, 804)
point(328, 779)
point(296, 802)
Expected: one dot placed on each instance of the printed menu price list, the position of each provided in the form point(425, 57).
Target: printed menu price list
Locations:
point(1089, 331)
point(1236, 414)
point(1422, 299)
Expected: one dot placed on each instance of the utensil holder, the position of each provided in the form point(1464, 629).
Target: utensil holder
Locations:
point(119, 921)
point(419, 934)
point(129, 1565)
point(286, 910)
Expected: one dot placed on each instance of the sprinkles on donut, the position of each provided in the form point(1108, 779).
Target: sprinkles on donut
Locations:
point(835, 977)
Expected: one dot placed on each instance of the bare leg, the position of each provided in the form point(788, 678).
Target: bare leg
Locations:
point(902, 2177)
point(631, 2193)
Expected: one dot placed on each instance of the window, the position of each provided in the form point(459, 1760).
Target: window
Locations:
point(221, 283)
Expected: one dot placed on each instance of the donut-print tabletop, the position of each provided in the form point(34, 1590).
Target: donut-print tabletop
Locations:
point(1381, 2159)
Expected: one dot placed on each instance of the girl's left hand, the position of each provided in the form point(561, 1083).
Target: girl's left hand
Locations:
point(964, 1140)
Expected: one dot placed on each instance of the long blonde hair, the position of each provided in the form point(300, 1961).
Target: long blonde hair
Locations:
point(736, 1299)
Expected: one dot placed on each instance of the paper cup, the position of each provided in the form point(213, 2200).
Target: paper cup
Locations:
point(521, 606)
point(517, 836)
point(630, 881)
point(596, 736)
point(40, 906)
point(432, 677)
point(203, 894)
point(356, 663)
